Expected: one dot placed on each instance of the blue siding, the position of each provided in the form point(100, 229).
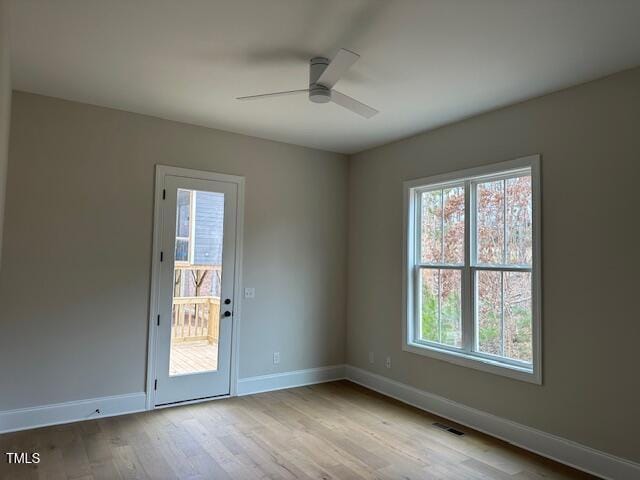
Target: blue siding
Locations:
point(208, 228)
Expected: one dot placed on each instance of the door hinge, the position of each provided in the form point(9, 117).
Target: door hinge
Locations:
point(158, 320)
point(164, 194)
point(155, 384)
point(161, 255)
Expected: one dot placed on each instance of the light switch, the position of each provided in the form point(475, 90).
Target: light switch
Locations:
point(249, 293)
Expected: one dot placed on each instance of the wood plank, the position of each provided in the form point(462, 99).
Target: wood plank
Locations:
point(330, 431)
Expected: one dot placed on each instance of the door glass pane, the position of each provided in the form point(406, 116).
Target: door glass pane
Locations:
point(197, 282)
point(182, 249)
point(184, 214)
point(441, 306)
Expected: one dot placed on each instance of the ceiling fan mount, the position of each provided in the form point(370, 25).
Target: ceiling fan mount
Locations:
point(323, 75)
point(318, 93)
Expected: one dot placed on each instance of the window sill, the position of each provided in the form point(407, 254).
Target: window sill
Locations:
point(477, 363)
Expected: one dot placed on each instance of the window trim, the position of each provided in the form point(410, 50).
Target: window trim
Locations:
point(476, 360)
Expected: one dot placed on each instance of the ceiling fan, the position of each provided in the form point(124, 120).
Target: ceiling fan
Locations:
point(323, 75)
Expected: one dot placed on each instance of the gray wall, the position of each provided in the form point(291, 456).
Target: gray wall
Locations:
point(589, 140)
point(74, 288)
point(5, 110)
point(75, 283)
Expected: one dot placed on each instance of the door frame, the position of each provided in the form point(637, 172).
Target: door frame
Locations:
point(160, 172)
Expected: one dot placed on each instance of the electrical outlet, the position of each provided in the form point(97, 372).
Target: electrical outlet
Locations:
point(388, 362)
point(276, 358)
point(371, 358)
point(250, 292)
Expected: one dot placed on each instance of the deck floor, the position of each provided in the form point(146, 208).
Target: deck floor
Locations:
point(192, 357)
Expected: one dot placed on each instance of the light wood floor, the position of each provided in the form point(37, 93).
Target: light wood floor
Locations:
point(191, 357)
point(330, 431)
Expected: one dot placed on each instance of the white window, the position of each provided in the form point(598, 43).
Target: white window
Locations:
point(472, 268)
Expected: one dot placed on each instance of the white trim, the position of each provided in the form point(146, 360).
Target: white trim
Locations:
point(74, 411)
point(545, 444)
point(551, 446)
point(297, 378)
point(237, 290)
point(198, 174)
point(79, 410)
point(161, 172)
point(472, 361)
point(192, 227)
point(483, 170)
point(153, 298)
point(466, 356)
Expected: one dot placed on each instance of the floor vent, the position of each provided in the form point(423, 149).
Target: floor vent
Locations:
point(447, 428)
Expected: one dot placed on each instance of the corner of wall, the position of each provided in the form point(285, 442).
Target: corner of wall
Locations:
point(5, 110)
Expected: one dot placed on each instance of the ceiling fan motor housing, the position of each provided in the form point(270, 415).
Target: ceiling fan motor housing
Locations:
point(318, 93)
point(323, 75)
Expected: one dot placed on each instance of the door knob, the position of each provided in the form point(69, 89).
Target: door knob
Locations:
point(227, 301)
point(227, 313)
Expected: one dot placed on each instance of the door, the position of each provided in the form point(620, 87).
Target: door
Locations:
point(196, 278)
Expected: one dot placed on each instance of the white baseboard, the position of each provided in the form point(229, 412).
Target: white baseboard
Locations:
point(545, 444)
point(297, 378)
point(54, 414)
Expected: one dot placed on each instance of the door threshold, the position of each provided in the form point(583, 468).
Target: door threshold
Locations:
point(190, 402)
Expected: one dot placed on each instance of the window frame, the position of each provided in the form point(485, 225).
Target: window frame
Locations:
point(468, 355)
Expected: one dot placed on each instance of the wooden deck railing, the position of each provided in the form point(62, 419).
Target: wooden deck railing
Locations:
point(195, 318)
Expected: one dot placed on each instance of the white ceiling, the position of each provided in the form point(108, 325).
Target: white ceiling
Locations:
point(424, 63)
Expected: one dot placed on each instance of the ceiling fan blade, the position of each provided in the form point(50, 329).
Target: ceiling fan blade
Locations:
point(352, 104)
point(274, 94)
point(337, 68)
